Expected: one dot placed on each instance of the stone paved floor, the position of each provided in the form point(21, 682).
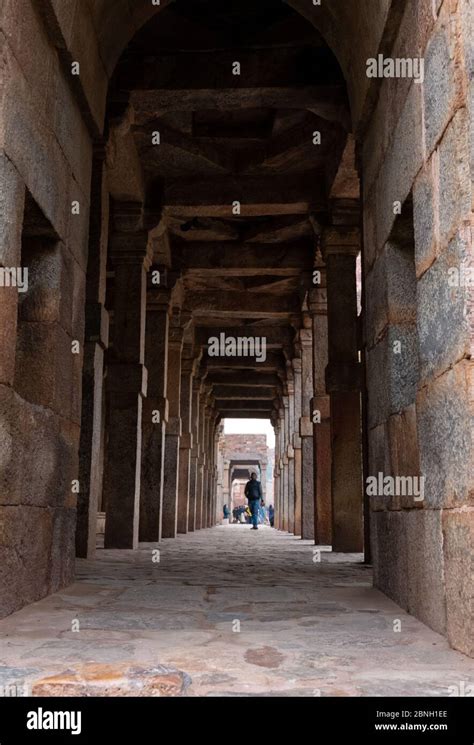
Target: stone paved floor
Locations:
point(306, 627)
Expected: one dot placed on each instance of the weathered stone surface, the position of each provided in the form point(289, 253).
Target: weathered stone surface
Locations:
point(390, 555)
point(62, 548)
point(425, 216)
point(401, 164)
point(12, 201)
point(391, 291)
point(328, 632)
point(32, 439)
point(28, 140)
point(443, 325)
point(425, 567)
point(8, 326)
point(444, 438)
point(26, 535)
point(170, 486)
point(392, 375)
point(152, 475)
point(454, 185)
point(347, 487)
point(23, 30)
point(114, 680)
point(458, 539)
point(122, 474)
point(441, 87)
point(404, 455)
point(47, 349)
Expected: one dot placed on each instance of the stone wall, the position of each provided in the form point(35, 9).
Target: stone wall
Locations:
point(45, 167)
point(238, 447)
point(418, 152)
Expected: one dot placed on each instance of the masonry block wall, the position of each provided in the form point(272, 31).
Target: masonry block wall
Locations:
point(45, 167)
point(417, 151)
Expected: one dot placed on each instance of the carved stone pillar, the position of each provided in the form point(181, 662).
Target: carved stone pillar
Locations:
point(126, 385)
point(155, 413)
point(297, 366)
point(340, 248)
point(173, 429)
point(188, 368)
point(320, 408)
point(96, 341)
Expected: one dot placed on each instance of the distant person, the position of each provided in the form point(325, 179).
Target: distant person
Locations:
point(226, 512)
point(253, 492)
point(271, 515)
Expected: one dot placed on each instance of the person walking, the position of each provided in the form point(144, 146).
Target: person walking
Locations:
point(271, 515)
point(253, 492)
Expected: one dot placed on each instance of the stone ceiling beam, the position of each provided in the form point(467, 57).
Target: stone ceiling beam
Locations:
point(238, 414)
point(252, 260)
point(237, 304)
point(249, 405)
point(242, 393)
point(251, 380)
point(274, 362)
point(326, 101)
point(257, 195)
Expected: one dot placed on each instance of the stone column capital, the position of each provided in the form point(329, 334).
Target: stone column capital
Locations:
point(306, 338)
point(318, 301)
point(340, 240)
point(297, 365)
point(158, 298)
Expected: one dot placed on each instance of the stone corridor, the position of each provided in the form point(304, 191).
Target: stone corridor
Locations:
point(209, 211)
point(306, 627)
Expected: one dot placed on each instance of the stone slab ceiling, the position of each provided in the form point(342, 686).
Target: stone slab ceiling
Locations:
point(235, 164)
